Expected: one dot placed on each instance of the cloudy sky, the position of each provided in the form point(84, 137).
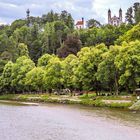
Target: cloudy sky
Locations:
point(97, 9)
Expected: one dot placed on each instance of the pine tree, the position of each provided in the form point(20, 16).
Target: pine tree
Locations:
point(129, 15)
point(137, 12)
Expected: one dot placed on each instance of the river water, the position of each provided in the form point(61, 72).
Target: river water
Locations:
point(67, 122)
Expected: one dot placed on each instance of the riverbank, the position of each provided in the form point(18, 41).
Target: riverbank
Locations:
point(90, 100)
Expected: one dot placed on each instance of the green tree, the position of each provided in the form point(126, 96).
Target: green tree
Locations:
point(31, 37)
point(129, 15)
point(49, 39)
point(49, 17)
point(22, 50)
point(34, 79)
point(6, 77)
point(71, 46)
point(17, 24)
point(67, 19)
point(86, 71)
point(44, 60)
point(34, 43)
point(108, 73)
point(131, 35)
point(80, 69)
point(54, 35)
point(61, 31)
point(22, 66)
point(67, 71)
point(21, 35)
point(136, 7)
point(128, 62)
point(93, 23)
point(53, 77)
point(106, 34)
point(137, 16)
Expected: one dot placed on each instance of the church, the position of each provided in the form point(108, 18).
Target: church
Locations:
point(80, 24)
point(115, 21)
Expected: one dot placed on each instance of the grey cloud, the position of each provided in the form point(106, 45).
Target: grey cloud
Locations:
point(15, 9)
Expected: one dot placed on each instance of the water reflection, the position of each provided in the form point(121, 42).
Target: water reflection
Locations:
point(67, 122)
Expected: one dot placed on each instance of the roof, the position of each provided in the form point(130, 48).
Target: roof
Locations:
point(115, 18)
point(80, 22)
point(109, 10)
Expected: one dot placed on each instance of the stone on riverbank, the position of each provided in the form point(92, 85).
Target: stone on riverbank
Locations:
point(135, 106)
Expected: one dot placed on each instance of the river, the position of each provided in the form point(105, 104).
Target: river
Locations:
point(67, 122)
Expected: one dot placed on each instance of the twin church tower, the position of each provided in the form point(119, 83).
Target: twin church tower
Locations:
point(115, 21)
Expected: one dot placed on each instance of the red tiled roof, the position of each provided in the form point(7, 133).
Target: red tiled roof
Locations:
point(80, 23)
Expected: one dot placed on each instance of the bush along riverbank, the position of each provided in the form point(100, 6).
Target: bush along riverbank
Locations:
point(91, 100)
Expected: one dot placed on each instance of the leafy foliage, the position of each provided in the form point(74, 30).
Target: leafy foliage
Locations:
point(131, 35)
point(71, 46)
point(133, 14)
point(50, 54)
point(128, 62)
point(22, 66)
point(53, 76)
point(34, 80)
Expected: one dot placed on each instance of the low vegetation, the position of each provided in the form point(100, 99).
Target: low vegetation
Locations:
point(91, 100)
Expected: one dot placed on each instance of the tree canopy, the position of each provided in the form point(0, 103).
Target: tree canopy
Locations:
point(50, 54)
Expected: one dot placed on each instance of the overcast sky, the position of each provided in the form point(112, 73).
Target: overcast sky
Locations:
point(97, 9)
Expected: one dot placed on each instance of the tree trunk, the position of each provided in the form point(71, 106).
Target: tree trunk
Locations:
point(116, 84)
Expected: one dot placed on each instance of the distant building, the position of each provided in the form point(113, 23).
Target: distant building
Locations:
point(80, 24)
point(115, 21)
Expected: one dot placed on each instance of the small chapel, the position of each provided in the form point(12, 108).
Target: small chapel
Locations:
point(115, 21)
point(80, 24)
